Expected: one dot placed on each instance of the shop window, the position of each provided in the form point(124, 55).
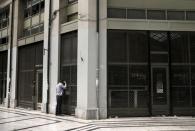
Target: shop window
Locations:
point(190, 15)
point(181, 96)
point(179, 47)
point(176, 15)
point(193, 75)
point(192, 47)
point(156, 14)
point(193, 96)
point(118, 75)
point(159, 41)
point(136, 14)
point(117, 44)
point(138, 76)
point(180, 75)
point(138, 47)
point(119, 99)
point(116, 13)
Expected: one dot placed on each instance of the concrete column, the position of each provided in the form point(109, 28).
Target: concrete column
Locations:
point(87, 61)
point(54, 54)
point(7, 100)
point(103, 60)
point(13, 89)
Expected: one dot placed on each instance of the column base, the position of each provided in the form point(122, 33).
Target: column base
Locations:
point(88, 114)
point(13, 103)
point(52, 108)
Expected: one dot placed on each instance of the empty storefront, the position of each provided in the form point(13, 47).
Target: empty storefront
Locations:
point(151, 73)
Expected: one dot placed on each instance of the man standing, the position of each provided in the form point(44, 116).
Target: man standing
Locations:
point(59, 92)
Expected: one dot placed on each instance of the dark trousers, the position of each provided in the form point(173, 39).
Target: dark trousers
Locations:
point(59, 105)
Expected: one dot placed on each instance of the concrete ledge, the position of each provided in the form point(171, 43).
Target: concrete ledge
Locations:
point(87, 114)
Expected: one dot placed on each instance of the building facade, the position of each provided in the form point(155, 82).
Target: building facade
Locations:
point(119, 58)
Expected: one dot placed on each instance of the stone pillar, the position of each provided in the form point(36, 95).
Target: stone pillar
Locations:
point(13, 89)
point(54, 54)
point(87, 61)
point(103, 60)
point(7, 99)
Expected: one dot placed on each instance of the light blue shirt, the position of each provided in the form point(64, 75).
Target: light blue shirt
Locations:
point(60, 89)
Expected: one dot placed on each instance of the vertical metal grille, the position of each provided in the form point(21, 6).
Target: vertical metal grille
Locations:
point(68, 71)
point(3, 75)
point(29, 57)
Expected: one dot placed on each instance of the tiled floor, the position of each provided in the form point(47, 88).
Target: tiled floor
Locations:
point(24, 120)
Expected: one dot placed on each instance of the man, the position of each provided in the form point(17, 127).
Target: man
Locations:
point(59, 92)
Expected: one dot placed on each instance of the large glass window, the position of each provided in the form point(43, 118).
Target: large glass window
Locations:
point(119, 99)
point(118, 46)
point(192, 47)
point(136, 14)
point(190, 15)
point(4, 17)
point(156, 14)
point(116, 13)
point(179, 46)
point(117, 75)
point(138, 47)
point(175, 15)
point(127, 70)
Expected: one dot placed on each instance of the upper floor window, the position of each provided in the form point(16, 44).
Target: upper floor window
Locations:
point(150, 14)
point(190, 15)
point(33, 7)
point(116, 13)
point(72, 1)
point(175, 15)
point(136, 14)
point(3, 40)
point(156, 14)
point(4, 17)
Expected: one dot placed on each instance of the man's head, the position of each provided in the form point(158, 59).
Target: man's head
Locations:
point(63, 82)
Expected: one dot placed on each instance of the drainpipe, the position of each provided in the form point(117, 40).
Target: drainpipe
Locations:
point(48, 59)
point(98, 58)
point(11, 46)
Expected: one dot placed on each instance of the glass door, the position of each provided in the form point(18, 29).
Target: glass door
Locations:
point(160, 90)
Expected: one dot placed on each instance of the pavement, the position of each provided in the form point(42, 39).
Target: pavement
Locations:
point(28, 120)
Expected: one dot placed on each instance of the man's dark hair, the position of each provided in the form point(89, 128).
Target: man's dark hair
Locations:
point(61, 81)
